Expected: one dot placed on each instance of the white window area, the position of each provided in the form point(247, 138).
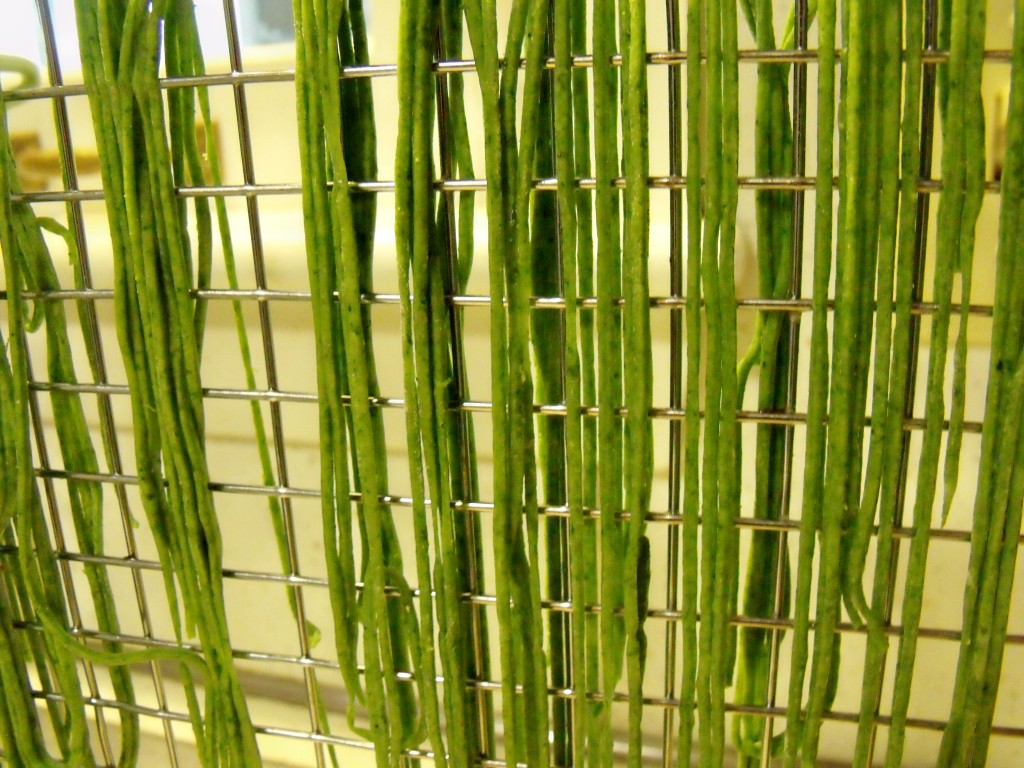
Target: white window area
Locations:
point(261, 23)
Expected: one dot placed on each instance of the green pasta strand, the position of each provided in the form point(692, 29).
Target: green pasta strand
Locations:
point(688, 695)
point(414, 207)
point(548, 338)
point(955, 232)
point(974, 163)
point(574, 452)
point(997, 503)
point(465, 483)
point(881, 151)
point(730, 444)
point(482, 29)
point(23, 240)
point(887, 438)
point(637, 338)
point(1003, 596)
point(813, 489)
point(394, 716)
point(22, 508)
point(845, 414)
point(711, 657)
point(587, 683)
point(522, 469)
point(157, 332)
point(335, 508)
point(1001, 365)
point(890, 373)
point(610, 364)
point(774, 210)
point(571, 366)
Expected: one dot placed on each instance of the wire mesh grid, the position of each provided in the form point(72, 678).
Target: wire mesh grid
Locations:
point(263, 300)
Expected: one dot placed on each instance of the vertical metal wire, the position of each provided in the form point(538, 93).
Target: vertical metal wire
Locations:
point(270, 360)
point(792, 342)
point(676, 358)
point(928, 88)
point(60, 543)
point(108, 431)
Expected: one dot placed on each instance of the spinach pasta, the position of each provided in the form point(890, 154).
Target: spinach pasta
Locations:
point(608, 423)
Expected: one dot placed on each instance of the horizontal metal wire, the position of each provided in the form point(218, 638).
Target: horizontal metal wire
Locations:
point(553, 606)
point(455, 66)
point(840, 716)
point(791, 183)
point(789, 306)
point(394, 500)
point(183, 717)
point(408, 677)
point(477, 685)
point(557, 410)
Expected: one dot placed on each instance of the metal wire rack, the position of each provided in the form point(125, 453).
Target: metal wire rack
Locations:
point(263, 300)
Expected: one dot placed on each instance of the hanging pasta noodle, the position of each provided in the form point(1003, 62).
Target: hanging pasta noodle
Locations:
point(157, 330)
point(415, 659)
point(769, 350)
point(425, 352)
point(337, 145)
point(21, 241)
point(996, 528)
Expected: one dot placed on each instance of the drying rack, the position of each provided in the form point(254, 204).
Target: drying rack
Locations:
point(659, 700)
